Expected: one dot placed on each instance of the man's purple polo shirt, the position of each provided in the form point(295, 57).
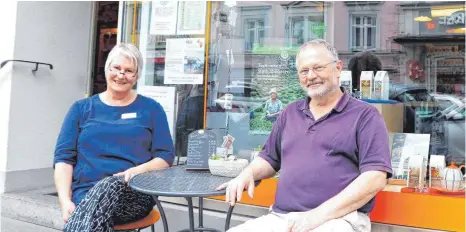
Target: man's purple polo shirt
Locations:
point(318, 159)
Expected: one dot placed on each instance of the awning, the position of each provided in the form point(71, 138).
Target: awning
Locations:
point(430, 39)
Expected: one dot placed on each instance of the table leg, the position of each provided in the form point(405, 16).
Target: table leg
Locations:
point(201, 213)
point(228, 219)
point(191, 214)
point(162, 213)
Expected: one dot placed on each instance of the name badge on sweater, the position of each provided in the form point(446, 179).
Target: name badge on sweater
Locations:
point(128, 115)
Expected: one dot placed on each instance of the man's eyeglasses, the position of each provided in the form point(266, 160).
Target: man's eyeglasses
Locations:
point(118, 70)
point(317, 69)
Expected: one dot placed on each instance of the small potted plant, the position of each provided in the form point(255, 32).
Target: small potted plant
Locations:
point(228, 166)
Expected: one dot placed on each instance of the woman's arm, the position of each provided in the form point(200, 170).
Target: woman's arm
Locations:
point(65, 159)
point(63, 176)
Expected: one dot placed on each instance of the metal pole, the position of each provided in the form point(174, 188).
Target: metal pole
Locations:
point(162, 214)
point(191, 214)
point(201, 208)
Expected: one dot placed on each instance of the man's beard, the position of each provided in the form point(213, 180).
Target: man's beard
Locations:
point(318, 94)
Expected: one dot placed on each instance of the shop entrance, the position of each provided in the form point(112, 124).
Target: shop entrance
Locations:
point(106, 29)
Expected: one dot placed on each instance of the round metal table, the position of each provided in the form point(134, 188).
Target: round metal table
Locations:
point(179, 182)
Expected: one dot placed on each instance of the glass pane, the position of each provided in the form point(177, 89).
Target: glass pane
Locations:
point(261, 36)
point(423, 76)
point(251, 24)
point(358, 36)
point(298, 30)
point(370, 37)
point(368, 20)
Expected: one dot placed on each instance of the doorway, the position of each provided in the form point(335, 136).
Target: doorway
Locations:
point(106, 31)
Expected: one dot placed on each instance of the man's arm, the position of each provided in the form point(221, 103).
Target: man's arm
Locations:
point(263, 166)
point(260, 169)
point(354, 196)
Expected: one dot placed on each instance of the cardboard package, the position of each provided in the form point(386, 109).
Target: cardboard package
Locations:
point(381, 82)
point(367, 84)
point(393, 114)
point(346, 81)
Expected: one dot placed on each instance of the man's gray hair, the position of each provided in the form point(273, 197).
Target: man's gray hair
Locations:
point(332, 52)
point(127, 50)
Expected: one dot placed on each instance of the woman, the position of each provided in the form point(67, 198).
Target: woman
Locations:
point(273, 106)
point(105, 140)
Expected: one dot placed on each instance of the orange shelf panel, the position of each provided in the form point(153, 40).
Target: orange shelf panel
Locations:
point(430, 211)
point(420, 210)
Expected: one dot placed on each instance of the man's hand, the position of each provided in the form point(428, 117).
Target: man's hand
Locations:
point(304, 221)
point(129, 173)
point(67, 209)
point(235, 187)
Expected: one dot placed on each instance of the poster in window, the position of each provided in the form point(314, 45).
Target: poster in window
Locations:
point(163, 20)
point(275, 84)
point(184, 62)
point(165, 96)
point(191, 17)
point(404, 146)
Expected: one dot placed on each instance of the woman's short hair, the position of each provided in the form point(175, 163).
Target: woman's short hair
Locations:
point(127, 50)
point(363, 61)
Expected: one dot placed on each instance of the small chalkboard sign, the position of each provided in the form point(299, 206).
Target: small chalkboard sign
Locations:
point(201, 145)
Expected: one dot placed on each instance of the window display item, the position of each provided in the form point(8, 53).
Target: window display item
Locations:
point(366, 86)
point(436, 166)
point(227, 104)
point(416, 172)
point(405, 153)
point(227, 145)
point(346, 81)
point(381, 82)
point(201, 145)
point(452, 179)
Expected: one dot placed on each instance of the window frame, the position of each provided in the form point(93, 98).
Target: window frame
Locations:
point(305, 12)
point(352, 17)
point(256, 13)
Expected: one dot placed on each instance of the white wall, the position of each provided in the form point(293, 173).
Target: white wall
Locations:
point(52, 32)
point(7, 14)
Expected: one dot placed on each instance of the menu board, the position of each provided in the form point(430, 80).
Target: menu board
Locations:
point(201, 145)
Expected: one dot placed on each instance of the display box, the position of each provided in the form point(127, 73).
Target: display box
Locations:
point(393, 115)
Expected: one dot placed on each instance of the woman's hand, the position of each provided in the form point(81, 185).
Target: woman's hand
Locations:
point(67, 209)
point(130, 173)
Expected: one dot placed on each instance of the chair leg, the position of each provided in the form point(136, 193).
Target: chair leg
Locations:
point(152, 228)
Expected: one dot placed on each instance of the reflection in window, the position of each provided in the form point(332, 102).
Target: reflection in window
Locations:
point(363, 32)
point(254, 34)
point(307, 28)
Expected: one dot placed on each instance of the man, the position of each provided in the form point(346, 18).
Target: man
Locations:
point(332, 152)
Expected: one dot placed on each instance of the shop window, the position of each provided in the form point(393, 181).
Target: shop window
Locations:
point(251, 53)
point(363, 32)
